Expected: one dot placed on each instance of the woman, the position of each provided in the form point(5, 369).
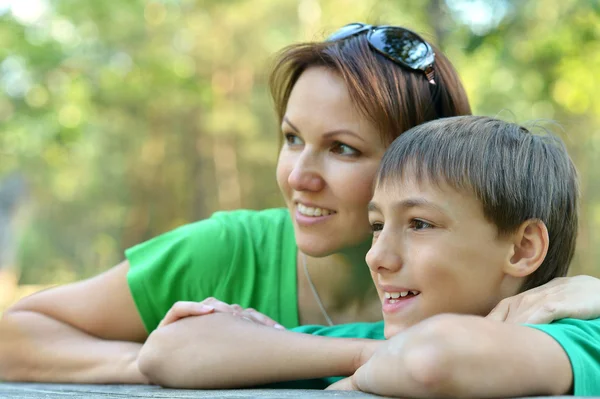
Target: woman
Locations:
point(340, 102)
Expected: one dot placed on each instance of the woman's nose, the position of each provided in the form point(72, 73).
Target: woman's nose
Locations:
point(306, 174)
point(384, 256)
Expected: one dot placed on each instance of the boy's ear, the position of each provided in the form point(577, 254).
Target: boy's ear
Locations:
point(530, 246)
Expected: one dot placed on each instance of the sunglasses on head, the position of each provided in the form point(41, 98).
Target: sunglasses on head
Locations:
point(400, 45)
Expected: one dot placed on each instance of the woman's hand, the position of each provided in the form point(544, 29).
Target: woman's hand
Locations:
point(183, 309)
point(575, 297)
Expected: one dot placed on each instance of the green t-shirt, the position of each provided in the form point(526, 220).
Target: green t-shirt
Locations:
point(240, 257)
point(580, 339)
point(352, 330)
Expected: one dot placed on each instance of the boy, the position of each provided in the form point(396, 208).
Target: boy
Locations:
point(466, 211)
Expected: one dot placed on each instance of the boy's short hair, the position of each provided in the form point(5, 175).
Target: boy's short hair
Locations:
point(515, 175)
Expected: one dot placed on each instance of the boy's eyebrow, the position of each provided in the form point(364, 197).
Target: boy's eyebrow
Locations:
point(407, 204)
point(372, 207)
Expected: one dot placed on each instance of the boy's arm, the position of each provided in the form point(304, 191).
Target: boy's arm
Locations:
point(466, 356)
point(225, 351)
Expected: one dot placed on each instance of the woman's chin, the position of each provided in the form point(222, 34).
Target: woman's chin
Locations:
point(329, 243)
point(316, 247)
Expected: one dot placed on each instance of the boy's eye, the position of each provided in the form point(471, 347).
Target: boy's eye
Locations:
point(418, 224)
point(292, 139)
point(344, 149)
point(375, 227)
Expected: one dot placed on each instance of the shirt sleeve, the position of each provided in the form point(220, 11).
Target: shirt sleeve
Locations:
point(580, 339)
point(240, 257)
point(352, 330)
point(178, 265)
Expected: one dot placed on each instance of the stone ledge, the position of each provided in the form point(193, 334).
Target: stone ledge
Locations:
point(50, 391)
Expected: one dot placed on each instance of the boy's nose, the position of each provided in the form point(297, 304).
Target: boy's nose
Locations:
point(384, 257)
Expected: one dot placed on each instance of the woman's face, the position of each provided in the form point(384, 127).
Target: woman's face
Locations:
point(327, 164)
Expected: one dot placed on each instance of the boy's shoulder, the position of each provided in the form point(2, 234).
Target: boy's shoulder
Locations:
point(580, 339)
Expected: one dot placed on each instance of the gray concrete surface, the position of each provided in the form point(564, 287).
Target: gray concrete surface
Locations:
point(63, 391)
point(51, 391)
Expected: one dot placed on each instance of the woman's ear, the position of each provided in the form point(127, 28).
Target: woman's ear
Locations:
point(530, 246)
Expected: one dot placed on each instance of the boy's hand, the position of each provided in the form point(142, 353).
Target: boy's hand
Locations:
point(369, 348)
point(576, 297)
point(347, 384)
point(183, 309)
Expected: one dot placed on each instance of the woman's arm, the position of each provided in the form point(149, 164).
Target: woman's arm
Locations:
point(466, 356)
point(221, 350)
point(86, 332)
point(575, 297)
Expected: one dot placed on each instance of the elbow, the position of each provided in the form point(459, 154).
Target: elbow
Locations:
point(152, 360)
point(165, 360)
point(12, 360)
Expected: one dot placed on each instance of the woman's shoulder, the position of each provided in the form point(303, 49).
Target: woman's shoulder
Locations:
point(258, 223)
point(256, 228)
point(254, 217)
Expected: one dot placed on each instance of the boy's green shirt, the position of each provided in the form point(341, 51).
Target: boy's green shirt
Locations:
point(579, 338)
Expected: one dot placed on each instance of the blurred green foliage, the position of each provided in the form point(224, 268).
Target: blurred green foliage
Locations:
point(127, 119)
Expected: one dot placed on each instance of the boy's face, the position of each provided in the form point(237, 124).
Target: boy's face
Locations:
point(435, 242)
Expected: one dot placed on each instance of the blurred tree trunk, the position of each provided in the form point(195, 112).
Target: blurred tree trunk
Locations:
point(438, 20)
point(227, 173)
point(13, 192)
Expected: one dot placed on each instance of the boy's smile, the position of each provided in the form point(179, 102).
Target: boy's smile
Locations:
point(434, 252)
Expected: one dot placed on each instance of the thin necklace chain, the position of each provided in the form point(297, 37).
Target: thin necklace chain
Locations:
point(314, 290)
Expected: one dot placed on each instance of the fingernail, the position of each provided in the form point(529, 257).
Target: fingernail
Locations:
point(279, 327)
point(206, 308)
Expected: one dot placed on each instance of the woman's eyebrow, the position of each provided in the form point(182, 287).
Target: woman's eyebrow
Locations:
point(334, 133)
point(327, 135)
point(286, 120)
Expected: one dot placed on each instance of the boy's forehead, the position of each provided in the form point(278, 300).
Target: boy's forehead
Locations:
point(407, 185)
point(410, 191)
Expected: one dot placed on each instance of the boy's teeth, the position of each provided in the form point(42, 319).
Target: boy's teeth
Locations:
point(310, 211)
point(401, 294)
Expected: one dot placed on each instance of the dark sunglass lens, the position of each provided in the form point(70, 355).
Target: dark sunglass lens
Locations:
point(402, 45)
point(347, 31)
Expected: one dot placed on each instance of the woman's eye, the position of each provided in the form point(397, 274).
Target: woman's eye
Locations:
point(344, 149)
point(418, 224)
point(292, 139)
point(375, 227)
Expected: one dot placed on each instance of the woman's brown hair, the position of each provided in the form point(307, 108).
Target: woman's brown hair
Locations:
point(394, 98)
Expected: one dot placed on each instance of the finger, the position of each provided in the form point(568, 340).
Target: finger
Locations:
point(548, 312)
point(223, 307)
point(342, 385)
point(185, 309)
point(500, 312)
point(237, 308)
point(245, 314)
point(182, 310)
point(264, 319)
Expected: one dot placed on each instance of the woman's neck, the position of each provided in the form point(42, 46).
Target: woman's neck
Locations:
point(344, 285)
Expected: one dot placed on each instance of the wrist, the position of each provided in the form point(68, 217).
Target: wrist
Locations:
point(131, 373)
point(365, 350)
